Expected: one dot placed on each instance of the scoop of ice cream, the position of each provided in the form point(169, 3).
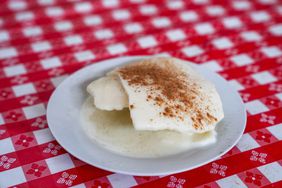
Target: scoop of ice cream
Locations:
point(108, 93)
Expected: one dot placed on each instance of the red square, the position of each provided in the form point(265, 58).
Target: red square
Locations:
point(247, 82)
point(44, 85)
point(6, 93)
point(77, 162)
point(13, 116)
point(231, 152)
point(102, 182)
point(263, 137)
point(23, 141)
point(3, 132)
point(36, 170)
point(272, 102)
point(145, 179)
point(253, 178)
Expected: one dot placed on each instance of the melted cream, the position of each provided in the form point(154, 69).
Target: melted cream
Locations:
point(114, 131)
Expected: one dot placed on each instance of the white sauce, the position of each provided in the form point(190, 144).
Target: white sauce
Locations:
point(114, 131)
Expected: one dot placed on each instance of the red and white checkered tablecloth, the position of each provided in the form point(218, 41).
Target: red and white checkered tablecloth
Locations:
point(44, 41)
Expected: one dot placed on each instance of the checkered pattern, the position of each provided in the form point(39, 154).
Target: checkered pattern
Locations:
point(43, 41)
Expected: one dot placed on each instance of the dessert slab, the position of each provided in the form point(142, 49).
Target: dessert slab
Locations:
point(63, 116)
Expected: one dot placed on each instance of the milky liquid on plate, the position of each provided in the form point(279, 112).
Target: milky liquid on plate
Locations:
point(114, 131)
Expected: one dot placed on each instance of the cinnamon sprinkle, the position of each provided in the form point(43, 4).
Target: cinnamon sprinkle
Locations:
point(177, 96)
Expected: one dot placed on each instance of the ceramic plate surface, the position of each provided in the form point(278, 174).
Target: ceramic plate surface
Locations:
point(64, 122)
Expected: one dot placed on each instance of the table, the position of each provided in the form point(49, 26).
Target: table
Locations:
point(44, 41)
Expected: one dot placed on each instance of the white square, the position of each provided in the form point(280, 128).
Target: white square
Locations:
point(23, 89)
point(137, 1)
point(133, 28)
point(235, 84)
point(41, 46)
point(92, 20)
point(256, 107)
point(267, 2)
point(24, 16)
point(57, 80)
point(246, 143)
point(279, 96)
point(17, 5)
point(204, 28)
point(251, 36)
point(174, 5)
point(276, 130)
point(222, 43)
point(121, 14)
point(264, 77)
point(59, 163)
point(14, 70)
point(272, 51)
point(121, 180)
point(14, 176)
point(1, 120)
point(6, 146)
point(215, 10)
point(241, 5)
point(4, 36)
point(147, 41)
point(63, 26)
point(242, 59)
point(8, 53)
point(279, 9)
point(162, 54)
point(82, 185)
point(260, 16)
point(176, 35)
point(73, 40)
point(44, 135)
point(45, 2)
point(201, 2)
point(83, 7)
point(34, 111)
point(231, 182)
point(54, 11)
point(148, 9)
point(188, 16)
point(110, 3)
point(274, 29)
point(51, 62)
point(103, 34)
point(212, 65)
point(116, 48)
point(272, 171)
point(232, 22)
point(84, 56)
point(32, 31)
point(192, 51)
point(161, 22)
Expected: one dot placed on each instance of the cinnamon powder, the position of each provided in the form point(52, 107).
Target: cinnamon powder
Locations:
point(177, 96)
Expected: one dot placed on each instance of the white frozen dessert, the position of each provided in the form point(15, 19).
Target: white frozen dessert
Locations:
point(162, 94)
point(108, 93)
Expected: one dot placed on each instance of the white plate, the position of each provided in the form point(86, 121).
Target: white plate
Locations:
point(63, 119)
